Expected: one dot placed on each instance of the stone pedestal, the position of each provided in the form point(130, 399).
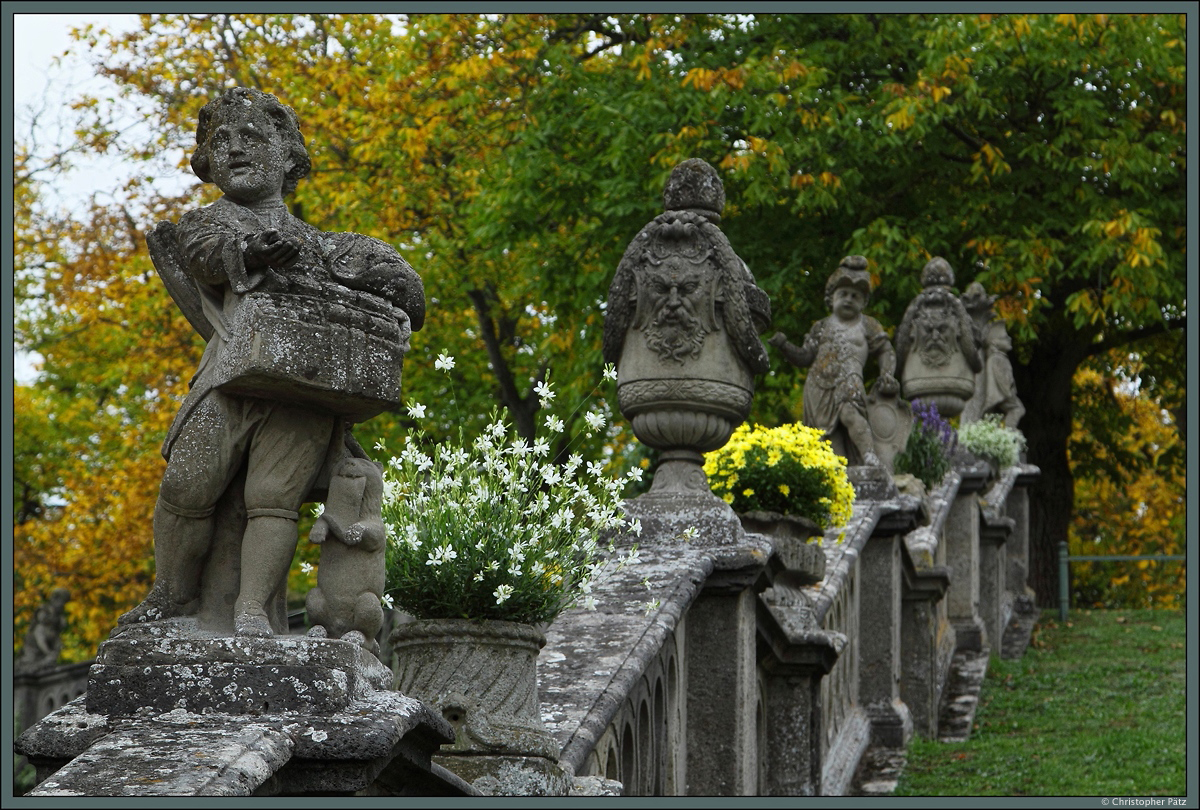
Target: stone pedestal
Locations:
point(163, 667)
point(871, 483)
point(927, 644)
point(722, 689)
point(667, 514)
point(792, 679)
point(1017, 508)
point(798, 655)
point(879, 630)
point(963, 558)
point(174, 711)
point(995, 601)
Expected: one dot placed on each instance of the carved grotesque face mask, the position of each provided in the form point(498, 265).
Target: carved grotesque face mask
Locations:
point(936, 333)
point(673, 302)
point(248, 159)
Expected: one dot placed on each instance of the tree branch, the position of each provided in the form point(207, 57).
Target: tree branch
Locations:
point(1126, 337)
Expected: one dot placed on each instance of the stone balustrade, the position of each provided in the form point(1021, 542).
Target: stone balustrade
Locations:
point(737, 685)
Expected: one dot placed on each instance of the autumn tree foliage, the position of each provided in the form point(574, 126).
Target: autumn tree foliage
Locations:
point(1130, 491)
point(512, 157)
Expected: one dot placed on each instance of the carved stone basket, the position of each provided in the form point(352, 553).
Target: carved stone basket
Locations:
point(482, 677)
point(339, 357)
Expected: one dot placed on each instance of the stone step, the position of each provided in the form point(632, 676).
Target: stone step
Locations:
point(1019, 630)
point(956, 716)
point(879, 771)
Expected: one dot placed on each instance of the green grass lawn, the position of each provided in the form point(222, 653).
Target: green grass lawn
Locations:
point(1095, 708)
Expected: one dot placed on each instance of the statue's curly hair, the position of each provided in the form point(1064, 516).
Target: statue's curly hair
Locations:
point(281, 116)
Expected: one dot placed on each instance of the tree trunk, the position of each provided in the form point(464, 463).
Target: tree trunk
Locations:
point(1044, 385)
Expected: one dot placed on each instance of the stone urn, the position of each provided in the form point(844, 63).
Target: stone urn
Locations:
point(682, 327)
point(482, 677)
point(798, 559)
point(936, 351)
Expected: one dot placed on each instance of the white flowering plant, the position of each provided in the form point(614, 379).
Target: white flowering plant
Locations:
point(990, 439)
point(494, 529)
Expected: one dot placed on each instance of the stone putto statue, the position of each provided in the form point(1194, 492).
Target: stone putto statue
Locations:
point(43, 639)
point(935, 344)
point(682, 328)
point(306, 334)
point(838, 348)
point(995, 388)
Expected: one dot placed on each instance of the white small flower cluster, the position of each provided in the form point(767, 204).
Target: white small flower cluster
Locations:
point(496, 529)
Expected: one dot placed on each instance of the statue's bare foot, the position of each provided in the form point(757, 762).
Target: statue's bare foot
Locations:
point(252, 621)
point(156, 606)
point(871, 460)
point(318, 631)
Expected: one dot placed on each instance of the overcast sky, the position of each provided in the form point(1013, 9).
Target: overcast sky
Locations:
point(37, 40)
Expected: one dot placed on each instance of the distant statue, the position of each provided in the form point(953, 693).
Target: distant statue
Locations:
point(995, 387)
point(935, 344)
point(43, 639)
point(306, 334)
point(838, 348)
point(682, 328)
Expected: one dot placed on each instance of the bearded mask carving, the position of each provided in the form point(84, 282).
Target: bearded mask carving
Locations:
point(675, 308)
point(935, 344)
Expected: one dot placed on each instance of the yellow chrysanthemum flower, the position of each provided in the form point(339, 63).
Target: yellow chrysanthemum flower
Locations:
point(790, 469)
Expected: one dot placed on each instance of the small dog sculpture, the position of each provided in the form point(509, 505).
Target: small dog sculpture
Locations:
point(351, 575)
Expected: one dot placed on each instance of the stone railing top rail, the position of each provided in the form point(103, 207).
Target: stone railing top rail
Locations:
point(922, 542)
point(993, 501)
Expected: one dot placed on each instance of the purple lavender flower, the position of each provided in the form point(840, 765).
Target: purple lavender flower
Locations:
point(929, 421)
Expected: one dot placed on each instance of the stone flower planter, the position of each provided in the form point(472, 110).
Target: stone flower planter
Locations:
point(801, 562)
point(482, 677)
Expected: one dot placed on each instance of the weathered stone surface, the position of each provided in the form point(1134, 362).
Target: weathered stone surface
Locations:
point(1020, 627)
point(722, 693)
point(995, 387)
point(927, 638)
point(158, 758)
point(922, 543)
point(879, 771)
point(510, 775)
point(352, 573)
point(42, 639)
point(379, 735)
point(891, 421)
point(842, 758)
point(595, 786)
point(172, 665)
point(338, 357)
point(666, 515)
point(593, 658)
point(956, 716)
point(482, 677)
point(64, 733)
point(871, 483)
